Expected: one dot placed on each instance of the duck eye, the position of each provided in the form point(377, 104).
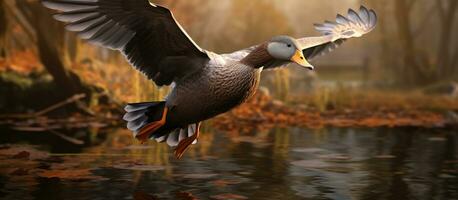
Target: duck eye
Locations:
point(288, 45)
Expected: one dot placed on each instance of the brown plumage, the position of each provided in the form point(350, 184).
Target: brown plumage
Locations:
point(259, 57)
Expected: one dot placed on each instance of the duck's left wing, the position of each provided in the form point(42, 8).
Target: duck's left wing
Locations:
point(147, 34)
point(356, 24)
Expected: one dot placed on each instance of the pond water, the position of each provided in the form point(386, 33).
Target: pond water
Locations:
point(291, 163)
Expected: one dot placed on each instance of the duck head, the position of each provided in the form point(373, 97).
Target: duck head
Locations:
point(288, 49)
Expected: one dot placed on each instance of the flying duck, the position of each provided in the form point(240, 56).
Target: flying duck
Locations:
point(204, 84)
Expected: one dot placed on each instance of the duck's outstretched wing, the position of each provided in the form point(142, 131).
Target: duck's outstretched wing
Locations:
point(356, 24)
point(146, 34)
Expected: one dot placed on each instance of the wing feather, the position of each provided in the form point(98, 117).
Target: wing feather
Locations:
point(69, 5)
point(355, 24)
point(147, 34)
point(76, 16)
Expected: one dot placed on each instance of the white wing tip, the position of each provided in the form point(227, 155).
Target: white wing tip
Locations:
point(355, 24)
point(152, 4)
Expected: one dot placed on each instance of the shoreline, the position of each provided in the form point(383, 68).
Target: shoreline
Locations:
point(262, 112)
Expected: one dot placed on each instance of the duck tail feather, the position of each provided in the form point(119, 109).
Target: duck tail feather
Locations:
point(174, 138)
point(140, 114)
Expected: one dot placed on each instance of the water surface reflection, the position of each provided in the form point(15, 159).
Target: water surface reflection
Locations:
point(290, 163)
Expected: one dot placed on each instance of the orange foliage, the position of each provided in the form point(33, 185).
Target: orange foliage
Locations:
point(72, 174)
point(263, 113)
point(22, 62)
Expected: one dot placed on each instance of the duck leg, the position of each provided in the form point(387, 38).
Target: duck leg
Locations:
point(184, 144)
point(145, 133)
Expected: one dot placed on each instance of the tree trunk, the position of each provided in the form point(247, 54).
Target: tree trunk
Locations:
point(413, 71)
point(445, 59)
point(72, 47)
point(387, 58)
point(50, 58)
point(49, 42)
point(454, 63)
point(3, 28)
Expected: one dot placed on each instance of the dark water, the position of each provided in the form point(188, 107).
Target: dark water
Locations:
point(278, 164)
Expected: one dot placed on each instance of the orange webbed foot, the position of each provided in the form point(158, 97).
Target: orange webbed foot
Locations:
point(186, 143)
point(145, 133)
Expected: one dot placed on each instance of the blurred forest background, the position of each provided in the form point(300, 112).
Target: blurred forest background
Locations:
point(409, 61)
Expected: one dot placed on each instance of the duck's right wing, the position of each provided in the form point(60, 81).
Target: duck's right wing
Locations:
point(147, 34)
point(356, 24)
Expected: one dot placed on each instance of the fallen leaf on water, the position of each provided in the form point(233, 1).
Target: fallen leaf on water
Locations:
point(74, 174)
point(4, 147)
point(228, 196)
point(22, 152)
point(20, 172)
point(22, 155)
point(186, 196)
point(140, 195)
point(224, 182)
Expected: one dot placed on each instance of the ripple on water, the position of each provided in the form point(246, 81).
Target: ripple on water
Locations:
point(309, 150)
point(139, 167)
point(437, 139)
point(228, 196)
point(317, 164)
point(196, 176)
